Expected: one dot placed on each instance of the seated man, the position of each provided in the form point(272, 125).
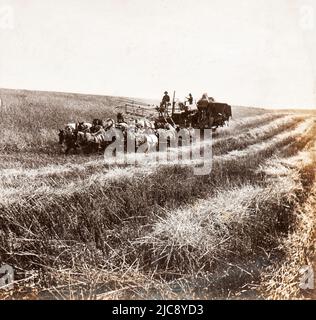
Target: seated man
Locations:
point(202, 106)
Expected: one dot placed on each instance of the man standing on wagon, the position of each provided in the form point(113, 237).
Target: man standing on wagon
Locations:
point(165, 103)
point(190, 99)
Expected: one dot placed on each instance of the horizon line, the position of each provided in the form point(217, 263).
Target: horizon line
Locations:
point(147, 98)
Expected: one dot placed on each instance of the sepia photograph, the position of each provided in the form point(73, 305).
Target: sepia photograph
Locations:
point(155, 150)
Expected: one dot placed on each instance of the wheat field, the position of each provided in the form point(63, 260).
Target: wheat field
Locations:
point(79, 226)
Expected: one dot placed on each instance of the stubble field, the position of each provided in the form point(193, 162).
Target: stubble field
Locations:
point(80, 226)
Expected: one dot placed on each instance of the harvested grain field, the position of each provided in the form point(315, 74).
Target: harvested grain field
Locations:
point(79, 226)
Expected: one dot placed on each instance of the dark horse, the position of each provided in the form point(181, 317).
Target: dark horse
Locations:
point(69, 139)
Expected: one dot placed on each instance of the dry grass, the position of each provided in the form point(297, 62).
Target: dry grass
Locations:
point(30, 120)
point(233, 222)
point(282, 279)
point(80, 227)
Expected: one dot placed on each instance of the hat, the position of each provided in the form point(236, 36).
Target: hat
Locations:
point(166, 92)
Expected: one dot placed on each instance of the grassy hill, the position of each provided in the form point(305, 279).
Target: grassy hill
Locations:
point(30, 119)
point(59, 107)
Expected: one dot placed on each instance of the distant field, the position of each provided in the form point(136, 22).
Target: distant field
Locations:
point(81, 226)
point(30, 120)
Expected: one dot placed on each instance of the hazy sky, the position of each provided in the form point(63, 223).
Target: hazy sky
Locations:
point(247, 52)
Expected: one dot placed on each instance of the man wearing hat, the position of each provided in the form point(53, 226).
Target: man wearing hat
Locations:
point(164, 103)
point(190, 99)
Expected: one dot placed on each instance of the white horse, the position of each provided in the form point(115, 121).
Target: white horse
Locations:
point(84, 126)
point(71, 126)
point(109, 123)
point(147, 142)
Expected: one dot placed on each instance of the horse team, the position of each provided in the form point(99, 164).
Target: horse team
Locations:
point(142, 133)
